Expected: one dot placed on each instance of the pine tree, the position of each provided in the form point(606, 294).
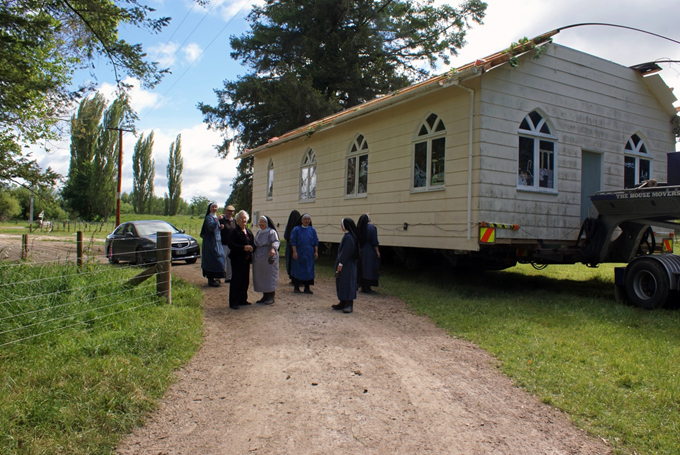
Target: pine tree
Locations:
point(311, 58)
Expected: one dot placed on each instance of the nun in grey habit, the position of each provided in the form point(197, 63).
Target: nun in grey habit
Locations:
point(266, 260)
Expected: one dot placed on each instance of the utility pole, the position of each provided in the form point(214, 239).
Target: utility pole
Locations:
point(120, 169)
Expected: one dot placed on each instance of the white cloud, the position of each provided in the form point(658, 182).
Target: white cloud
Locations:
point(192, 52)
point(164, 53)
point(228, 9)
point(204, 173)
point(140, 98)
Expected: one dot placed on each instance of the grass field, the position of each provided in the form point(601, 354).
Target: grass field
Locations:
point(101, 357)
point(559, 334)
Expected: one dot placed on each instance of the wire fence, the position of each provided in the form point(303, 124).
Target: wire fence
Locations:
point(73, 226)
point(48, 287)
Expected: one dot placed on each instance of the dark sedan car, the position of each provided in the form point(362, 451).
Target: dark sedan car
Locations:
point(135, 241)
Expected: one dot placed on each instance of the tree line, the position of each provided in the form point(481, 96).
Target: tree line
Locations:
point(90, 188)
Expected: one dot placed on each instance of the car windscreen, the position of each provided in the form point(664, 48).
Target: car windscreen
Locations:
point(152, 228)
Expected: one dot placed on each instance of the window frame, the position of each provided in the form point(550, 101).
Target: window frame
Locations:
point(541, 134)
point(431, 134)
point(308, 164)
point(269, 190)
point(357, 150)
point(638, 152)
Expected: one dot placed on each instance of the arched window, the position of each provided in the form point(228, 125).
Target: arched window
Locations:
point(356, 176)
point(308, 176)
point(536, 161)
point(270, 179)
point(429, 154)
point(637, 166)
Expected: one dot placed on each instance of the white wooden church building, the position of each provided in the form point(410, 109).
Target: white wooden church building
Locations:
point(490, 142)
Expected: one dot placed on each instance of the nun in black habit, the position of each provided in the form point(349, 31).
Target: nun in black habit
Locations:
point(212, 253)
point(346, 267)
point(294, 219)
point(369, 265)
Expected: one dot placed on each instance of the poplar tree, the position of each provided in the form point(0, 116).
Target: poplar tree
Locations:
point(90, 188)
point(174, 174)
point(144, 172)
point(311, 58)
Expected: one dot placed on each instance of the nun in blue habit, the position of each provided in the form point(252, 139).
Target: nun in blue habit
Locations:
point(305, 246)
point(212, 253)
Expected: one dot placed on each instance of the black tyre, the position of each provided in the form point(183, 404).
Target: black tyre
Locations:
point(190, 261)
point(112, 258)
point(647, 284)
point(139, 257)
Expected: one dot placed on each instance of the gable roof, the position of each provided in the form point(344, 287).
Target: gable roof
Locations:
point(454, 76)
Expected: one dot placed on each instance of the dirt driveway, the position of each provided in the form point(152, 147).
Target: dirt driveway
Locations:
point(299, 378)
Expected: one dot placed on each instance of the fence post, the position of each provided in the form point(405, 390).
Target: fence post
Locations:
point(24, 246)
point(163, 263)
point(79, 248)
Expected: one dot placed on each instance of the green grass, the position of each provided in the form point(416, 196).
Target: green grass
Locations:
point(560, 335)
point(78, 390)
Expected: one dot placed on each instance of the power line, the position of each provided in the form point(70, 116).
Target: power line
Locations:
point(193, 5)
point(583, 24)
point(197, 58)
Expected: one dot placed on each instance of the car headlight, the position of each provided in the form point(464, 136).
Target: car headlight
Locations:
point(193, 242)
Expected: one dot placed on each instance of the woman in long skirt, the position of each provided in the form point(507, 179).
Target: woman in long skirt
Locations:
point(346, 267)
point(212, 254)
point(266, 260)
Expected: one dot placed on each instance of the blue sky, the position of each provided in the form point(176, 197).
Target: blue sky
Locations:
point(195, 46)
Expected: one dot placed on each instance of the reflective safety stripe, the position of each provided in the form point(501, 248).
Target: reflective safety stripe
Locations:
point(487, 235)
point(667, 245)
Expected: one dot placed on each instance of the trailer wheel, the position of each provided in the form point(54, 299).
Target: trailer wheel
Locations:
point(647, 284)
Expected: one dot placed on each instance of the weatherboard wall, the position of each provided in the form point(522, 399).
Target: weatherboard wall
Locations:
point(436, 219)
point(591, 104)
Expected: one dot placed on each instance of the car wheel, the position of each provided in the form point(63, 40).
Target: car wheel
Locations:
point(139, 257)
point(109, 254)
point(647, 284)
point(190, 261)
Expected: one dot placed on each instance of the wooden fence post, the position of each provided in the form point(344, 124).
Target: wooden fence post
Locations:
point(164, 264)
point(79, 248)
point(24, 246)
